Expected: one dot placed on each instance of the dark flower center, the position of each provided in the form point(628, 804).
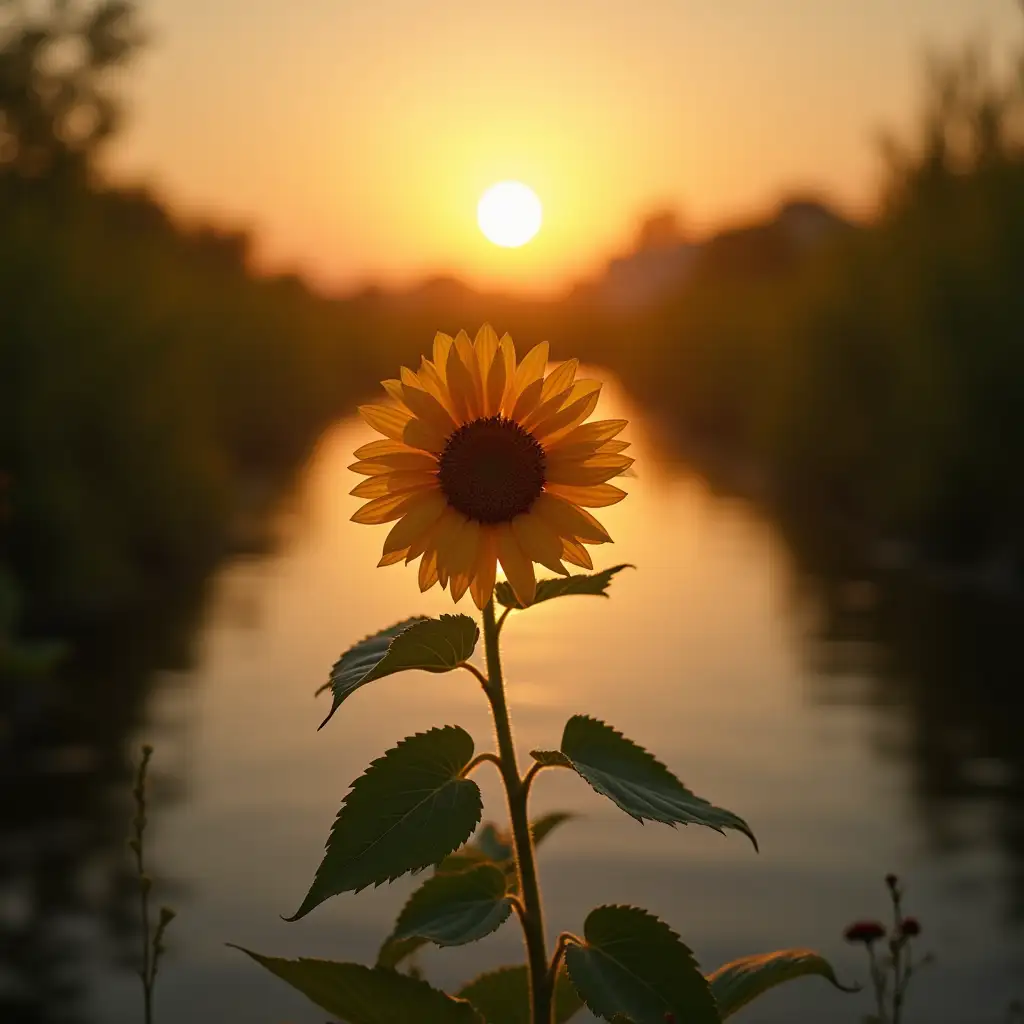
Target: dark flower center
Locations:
point(492, 470)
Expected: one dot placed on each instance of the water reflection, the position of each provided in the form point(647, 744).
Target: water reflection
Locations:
point(65, 888)
point(861, 724)
point(951, 661)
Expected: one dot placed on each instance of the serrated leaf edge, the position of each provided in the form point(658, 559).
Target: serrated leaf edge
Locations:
point(745, 829)
point(361, 781)
point(489, 864)
point(672, 933)
point(411, 623)
point(259, 958)
point(611, 570)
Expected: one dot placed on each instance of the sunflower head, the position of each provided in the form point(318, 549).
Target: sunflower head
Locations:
point(485, 459)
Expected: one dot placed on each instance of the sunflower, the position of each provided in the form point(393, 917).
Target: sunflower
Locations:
point(486, 460)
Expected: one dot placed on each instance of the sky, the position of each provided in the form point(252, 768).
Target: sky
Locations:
point(355, 138)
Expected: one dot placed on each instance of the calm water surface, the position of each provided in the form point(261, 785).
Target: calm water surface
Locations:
point(706, 655)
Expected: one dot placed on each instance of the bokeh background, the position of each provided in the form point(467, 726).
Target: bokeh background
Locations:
point(790, 235)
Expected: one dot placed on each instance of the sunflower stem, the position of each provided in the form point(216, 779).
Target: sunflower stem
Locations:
point(532, 917)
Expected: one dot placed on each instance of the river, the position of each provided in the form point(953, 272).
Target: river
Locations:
point(714, 653)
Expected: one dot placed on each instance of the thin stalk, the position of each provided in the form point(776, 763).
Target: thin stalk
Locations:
point(564, 940)
point(479, 760)
point(532, 917)
point(896, 946)
point(878, 983)
point(475, 671)
point(136, 844)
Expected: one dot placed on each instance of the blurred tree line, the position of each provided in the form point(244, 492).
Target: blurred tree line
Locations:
point(147, 376)
point(874, 379)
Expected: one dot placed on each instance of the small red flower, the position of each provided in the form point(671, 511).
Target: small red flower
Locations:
point(910, 927)
point(864, 931)
point(892, 880)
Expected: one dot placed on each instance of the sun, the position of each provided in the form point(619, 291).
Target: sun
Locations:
point(509, 214)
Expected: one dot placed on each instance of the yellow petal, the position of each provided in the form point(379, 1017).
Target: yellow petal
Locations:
point(568, 417)
point(433, 383)
point(428, 570)
point(576, 553)
point(518, 568)
point(595, 470)
point(427, 408)
point(542, 410)
point(592, 496)
point(599, 430)
point(482, 585)
point(407, 460)
point(463, 555)
point(527, 401)
point(461, 388)
point(446, 541)
point(495, 384)
point(570, 520)
point(585, 450)
point(560, 378)
point(393, 483)
point(507, 353)
point(529, 370)
point(427, 540)
point(391, 558)
point(468, 356)
point(389, 420)
point(385, 446)
point(415, 523)
point(418, 433)
point(486, 347)
point(539, 541)
point(442, 346)
point(388, 508)
point(393, 388)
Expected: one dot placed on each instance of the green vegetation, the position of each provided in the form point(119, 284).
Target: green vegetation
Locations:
point(872, 378)
point(415, 807)
point(151, 385)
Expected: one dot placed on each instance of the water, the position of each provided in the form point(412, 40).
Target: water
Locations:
point(713, 653)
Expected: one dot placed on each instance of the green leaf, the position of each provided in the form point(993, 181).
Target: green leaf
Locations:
point(368, 995)
point(552, 758)
point(737, 983)
point(634, 779)
point(409, 810)
point(635, 965)
point(464, 857)
point(495, 845)
point(562, 586)
point(452, 910)
point(432, 645)
point(393, 951)
point(503, 996)
point(545, 825)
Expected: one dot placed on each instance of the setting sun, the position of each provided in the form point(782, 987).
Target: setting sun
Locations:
point(509, 214)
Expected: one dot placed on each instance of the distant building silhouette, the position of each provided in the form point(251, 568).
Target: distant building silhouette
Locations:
point(663, 258)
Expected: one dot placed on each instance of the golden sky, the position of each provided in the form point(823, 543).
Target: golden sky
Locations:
point(356, 136)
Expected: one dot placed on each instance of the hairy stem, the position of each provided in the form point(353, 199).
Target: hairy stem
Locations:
point(476, 672)
point(479, 760)
point(138, 833)
point(563, 942)
point(532, 917)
